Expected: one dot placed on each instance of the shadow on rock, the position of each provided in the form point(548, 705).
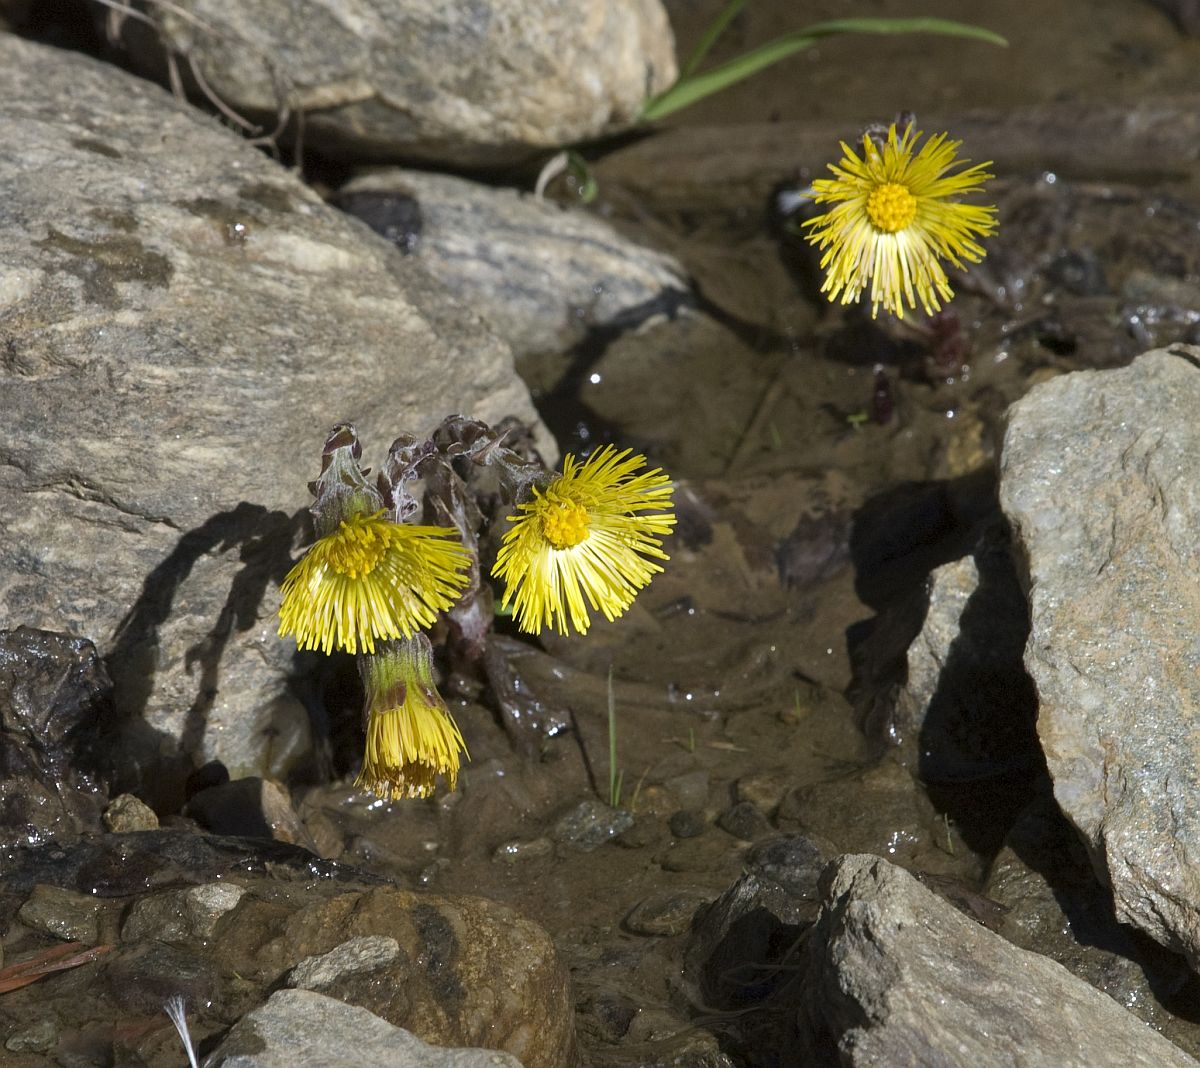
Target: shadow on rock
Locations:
point(263, 539)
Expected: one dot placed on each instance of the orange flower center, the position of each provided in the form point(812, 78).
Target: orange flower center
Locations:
point(564, 523)
point(891, 207)
point(357, 548)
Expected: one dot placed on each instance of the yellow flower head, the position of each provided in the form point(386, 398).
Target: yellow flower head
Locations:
point(585, 535)
point(894, 216)
point(411, 737)
point(369, 579)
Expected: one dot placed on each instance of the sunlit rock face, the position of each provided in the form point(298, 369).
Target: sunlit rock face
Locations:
point(464, 82)
point(1098, 479)
point(181, 321)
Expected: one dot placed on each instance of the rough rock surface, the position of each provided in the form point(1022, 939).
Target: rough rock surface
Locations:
point(54, 698)
point(1098, 478)
point(462, 82)
point(179, 915)
point(354, 955)
point(454, 970)
point(895, 975)
point(541, 274)
point(966, 707)
point(467, 971)
point(298, 1026)
point(181, 320)
point(1055, 906)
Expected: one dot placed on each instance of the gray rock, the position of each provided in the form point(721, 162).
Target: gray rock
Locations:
point(183, 321)
point(36, 1038)
point(468, 971)
point(541, 275)
point(687, 824)
point(180, 915)
point(738, 944)
point(895, 975)
point(354, 955)
point(966, 709)
point(62, 914)
point(464, 82)
point(127, 813)
point(668, 912)
point(794, 861)
point(690, 789)
point(590, 824)
point(142, 977)
point(744, 820)
point(54, 697)
point(1055, 906)
point(879, 808)
point(302, 1027)
point(517, 850)
point(1098, 480)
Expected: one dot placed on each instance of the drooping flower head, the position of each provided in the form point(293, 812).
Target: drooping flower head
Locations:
point(895, 214)
point(588, 537)
point(411, 737)
point(367, 577)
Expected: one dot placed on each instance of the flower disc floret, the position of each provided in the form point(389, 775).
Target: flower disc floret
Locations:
point(895, 216)
point(371, 579)
point(586, 542)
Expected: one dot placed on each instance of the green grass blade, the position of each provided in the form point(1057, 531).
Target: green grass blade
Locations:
point(717, 27)
point(689, 90)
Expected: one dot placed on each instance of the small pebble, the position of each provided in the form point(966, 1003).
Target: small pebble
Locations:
point(744, 820)
point(665, 913)
point(709, 853)
point(180, 915)
point(795, 862)
point(518, 849)
point(687, 824)
point(690, 789)
point(605, 1015)
point(36, 1038)
point(363, 954)
point(61, 913)
point(648, 831)
point(591, 824)
point(764, 789)
point(127, 813)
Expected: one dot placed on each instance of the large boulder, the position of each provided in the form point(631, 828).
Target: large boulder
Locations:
point(181, 320)
point(542, 275)
point(467, 81)
point(896, 975)
point(1098, 478)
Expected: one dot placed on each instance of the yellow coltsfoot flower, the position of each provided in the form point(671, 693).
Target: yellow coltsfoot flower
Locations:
point(411, 737)
point(588, 537)
point(371, 579)
point(894, 217)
